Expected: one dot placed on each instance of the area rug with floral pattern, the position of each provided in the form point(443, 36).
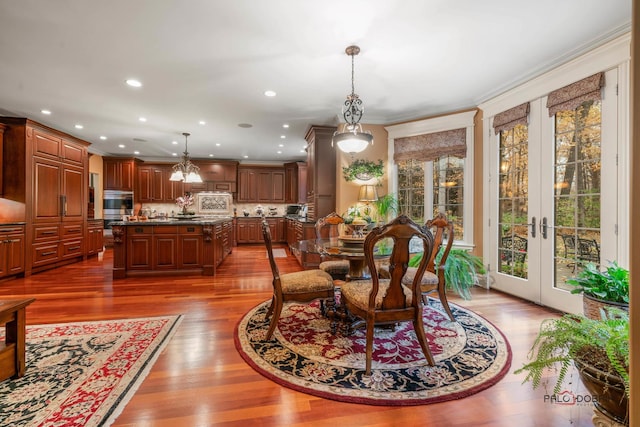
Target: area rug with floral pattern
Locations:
point(82, 374)
point(471, 355)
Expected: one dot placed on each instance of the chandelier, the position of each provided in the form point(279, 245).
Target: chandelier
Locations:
point(351, 138)
point(185, 170)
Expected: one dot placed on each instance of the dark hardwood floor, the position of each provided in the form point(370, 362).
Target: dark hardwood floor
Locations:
point(200, 380)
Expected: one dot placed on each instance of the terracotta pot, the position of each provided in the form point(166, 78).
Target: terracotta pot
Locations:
point(612, 401)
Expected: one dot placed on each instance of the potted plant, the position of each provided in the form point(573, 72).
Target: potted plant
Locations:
point(385, 206)
point(599, 348)
point(602, 289)
point(363, 170)
point(461, 270)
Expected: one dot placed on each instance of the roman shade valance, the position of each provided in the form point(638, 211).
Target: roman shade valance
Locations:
point(430, 146)
point(507, 120)
point(571, 96)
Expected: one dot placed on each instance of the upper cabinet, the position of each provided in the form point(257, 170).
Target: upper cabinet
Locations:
point(153, 184)
point(295, 182)
point(119, 173)
point(219, 175)
point(261, 184)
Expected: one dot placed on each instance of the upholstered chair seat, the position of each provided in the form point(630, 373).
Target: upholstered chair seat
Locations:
point(338, 269)
point(358, 292)
point(306, 281)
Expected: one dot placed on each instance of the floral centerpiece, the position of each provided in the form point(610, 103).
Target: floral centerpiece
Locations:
point(184, 202)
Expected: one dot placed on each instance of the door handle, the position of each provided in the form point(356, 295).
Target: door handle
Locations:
point(543, 227)
point(533, 226)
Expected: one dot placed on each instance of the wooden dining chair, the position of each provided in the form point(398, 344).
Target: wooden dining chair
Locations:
point(433, 279)
point(329, 227)
point(388, 301)
point(299, 286)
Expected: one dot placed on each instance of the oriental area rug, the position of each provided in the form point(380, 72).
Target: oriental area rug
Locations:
point(471, 355)
point(82, 374)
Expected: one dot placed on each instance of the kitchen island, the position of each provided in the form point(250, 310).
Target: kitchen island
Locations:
point(164, 247)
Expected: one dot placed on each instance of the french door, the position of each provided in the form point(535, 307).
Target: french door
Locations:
point(553, 199)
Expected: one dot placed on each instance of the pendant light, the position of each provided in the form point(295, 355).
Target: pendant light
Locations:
point(185, 170)
point(351, 138)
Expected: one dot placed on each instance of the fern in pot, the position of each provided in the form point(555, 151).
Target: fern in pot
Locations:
point(599, 348)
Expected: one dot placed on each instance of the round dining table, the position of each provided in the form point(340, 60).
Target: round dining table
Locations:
point(349, 248)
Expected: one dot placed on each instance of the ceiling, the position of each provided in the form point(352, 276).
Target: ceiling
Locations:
point(212, 61)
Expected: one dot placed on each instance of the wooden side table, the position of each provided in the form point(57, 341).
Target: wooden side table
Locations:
point(12, 357)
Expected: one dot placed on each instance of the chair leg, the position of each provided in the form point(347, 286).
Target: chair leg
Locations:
point(442, 293)
point(275, 317)
point(418, 326)
point(270, 311)
point(369, 356)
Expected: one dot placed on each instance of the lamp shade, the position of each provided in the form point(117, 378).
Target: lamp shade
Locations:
point(352, 142)
point(368, 193)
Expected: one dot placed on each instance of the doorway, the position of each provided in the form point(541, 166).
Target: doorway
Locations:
point(555, 176)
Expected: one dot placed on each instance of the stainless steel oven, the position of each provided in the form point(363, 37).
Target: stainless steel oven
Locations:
point(115, 205)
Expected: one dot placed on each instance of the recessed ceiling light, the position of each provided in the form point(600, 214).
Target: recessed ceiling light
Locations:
point(217, 144)
point(269, 93)
point(245, 125)
point(246, 157)
point(302, 151)
point(121, 145)
point(202, 122)
point(79, 126)
point(136, 152)
point(286, 125)
point(143, 119)
point(174, 142)
point(134, 83)
point(279, 151)
point(102, 137)
point(283, 136)
point(280, 145)
point(210, 155)
point(174, 154)
point(47, 112)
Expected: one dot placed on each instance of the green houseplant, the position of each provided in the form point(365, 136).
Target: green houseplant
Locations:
point(461, 270)
point(363, 170)
point(385, 206)
point(599, 348)
point(606, 288)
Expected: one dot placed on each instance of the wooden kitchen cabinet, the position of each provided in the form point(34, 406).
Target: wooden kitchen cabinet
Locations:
point(261, 184)
point(153, 184)
point(295, 182)
point(321, 172)
point(12, 247)
point(95, 237)
point(53, 184)
point(119, 173)
point(217, 176)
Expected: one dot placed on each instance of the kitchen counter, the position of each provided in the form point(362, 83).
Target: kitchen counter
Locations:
point(176, 246)
point(172, 221)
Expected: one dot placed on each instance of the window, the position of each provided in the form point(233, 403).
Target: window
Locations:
point(513, 201)
point(432, 161)
point(444, 179)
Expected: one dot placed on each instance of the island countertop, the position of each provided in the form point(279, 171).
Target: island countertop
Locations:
point(178, 221)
